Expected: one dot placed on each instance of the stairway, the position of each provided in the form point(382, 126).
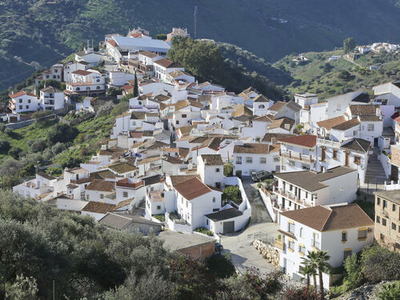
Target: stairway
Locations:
point(375, 172)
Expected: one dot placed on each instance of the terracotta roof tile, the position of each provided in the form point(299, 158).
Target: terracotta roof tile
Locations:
point(347, 125)
point(308, 141)
point(98, 207)
point(101, 185)
point(329, 123)
point(192, 188)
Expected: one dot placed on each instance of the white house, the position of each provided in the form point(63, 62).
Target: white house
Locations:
point(101, 191)
point(298, 190)
point(261, 105)
point(340, 230)
point(289, 110)
point(389, 91)
point(88, 56)
point(86, 82)
point(353, 154)
point(210, 167)
point(51, 98)
point(72, 67)
point(163, 67)
point(306, 99)
point(298, 153)
point(23, 102)
point(40, 185)
point(255, 157)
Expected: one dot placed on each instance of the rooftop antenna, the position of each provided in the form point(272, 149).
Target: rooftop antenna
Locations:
point(195, 22)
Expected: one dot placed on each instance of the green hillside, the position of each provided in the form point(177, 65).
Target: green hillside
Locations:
point(329, 78)
point(45, 31)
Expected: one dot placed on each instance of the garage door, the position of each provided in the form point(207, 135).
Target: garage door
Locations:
point(229, 227)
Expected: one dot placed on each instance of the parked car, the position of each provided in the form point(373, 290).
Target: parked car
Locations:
point(261, 175)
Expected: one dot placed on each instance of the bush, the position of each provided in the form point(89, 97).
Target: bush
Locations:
point(220, 265)
point(228, 170)
point(160, 218)
point(62, 133)
point(380, 264)
point(232, 193)
point(301, 294)
point(354, 277)
point(14, 152)
point(4, 146)
point(204, 230)
point(390, 291)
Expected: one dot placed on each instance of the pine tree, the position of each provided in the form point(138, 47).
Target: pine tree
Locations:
point(136, 87)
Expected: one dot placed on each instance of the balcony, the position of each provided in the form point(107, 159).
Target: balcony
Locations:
point(292, 197)
point(279, 245)
point(297, 156)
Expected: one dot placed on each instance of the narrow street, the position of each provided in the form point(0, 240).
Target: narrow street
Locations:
point(259, 213)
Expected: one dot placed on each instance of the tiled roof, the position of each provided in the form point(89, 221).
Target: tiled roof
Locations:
point(101, 185)
point(266, 118)
point(122, 167)
point(192, 188)
point(368, 118)
point(98, 207)
point(82, 72)
point(308, 141)
point(358, 145)
point(277, 136)
point(294, 106)
point(261, 98)
point(363, 109)
point(240, 110)
point(177, 179)
point(21, 93)
point(212, 159)
point(311, 180)
point(278, 105)
point(164, 62)
point(254, 148)
point(284, 123)
point(329, 123)
point(347, 125)
point(333, 218)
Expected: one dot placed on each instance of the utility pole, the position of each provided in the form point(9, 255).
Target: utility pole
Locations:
point(195, 22)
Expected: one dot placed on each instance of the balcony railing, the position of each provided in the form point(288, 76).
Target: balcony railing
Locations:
point(297, 156)
point(292, 197)
point(279, 245)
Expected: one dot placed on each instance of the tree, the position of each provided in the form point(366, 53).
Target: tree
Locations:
point(348, 45)
point(344, 75)
point(311, 262)
point(161, 36)
point(136, 87)
point(14, 152)
point(4, 146)
point(62, 133)
point(308, 270)
point(354, 276)
point(390, 291)
point(323, 267)
point(232, 193)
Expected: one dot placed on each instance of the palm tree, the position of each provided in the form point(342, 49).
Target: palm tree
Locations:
point(323, 266)
point(307, 270)
point(311, 260)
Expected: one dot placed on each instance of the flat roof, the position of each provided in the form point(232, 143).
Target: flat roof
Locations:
point(178, 241)
point(151, 45)
point(393, 195)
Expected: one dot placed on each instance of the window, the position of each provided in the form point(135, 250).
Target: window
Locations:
point(344, 236)
point(334, 154)
point(87, 197)
point(29, 100)
point(177, 122)
point(384, 204)
point(301, 232)
point(315, 242)
point(362, 234)
point(276, 159)
point(217, 170)
point(20, 100)
point(394, 207)
point(291, 244)
point(214, 199)
point(357, 160)
point(184, 116)
point(393, 226)
point(302, 249)
point(238, 160)
point(125, 194)
point(291, 227)
point(101, 196)
point(263, 160)
point(262, 106)
point(249, 160)
point(27, 106)
point(370, 127)
point(378, 201)
point(354, 133)
point(347, 253)
point(378, 219)
point(383, 221)
point(20, 107)
point(97, 87)
point(187, 203)
point(158, 207)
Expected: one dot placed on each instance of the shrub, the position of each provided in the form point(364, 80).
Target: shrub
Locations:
point(204, 230)
point(390, 291)
point(14, 152)
point(354, 277)
point(160, 218)
point(232, 193)
point(220, 265)
point(4, 146)
point(62, 133)
point(380, 264)
point(301, 294)
point(228, 170)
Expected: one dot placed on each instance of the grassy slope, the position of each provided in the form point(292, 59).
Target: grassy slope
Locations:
point(47, 32)
point(311, 77)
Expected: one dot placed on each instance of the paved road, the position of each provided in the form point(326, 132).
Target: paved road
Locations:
point(259, 213)
point(244, 255)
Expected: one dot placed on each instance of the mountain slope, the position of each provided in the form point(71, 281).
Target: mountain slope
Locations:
point(44, 31)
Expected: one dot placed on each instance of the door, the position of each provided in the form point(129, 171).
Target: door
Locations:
point(376, 142)
point(347, 159)
point(229, 227)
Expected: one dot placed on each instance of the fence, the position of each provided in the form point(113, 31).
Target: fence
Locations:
point(262, 236)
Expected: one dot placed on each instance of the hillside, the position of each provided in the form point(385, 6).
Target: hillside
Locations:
point(45, 31)
point(329, 78)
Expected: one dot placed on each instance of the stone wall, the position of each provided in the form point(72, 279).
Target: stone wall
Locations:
point(269, 252)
